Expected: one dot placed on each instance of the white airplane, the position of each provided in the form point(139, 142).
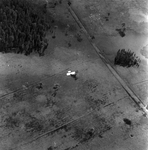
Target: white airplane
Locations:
point(71, 73)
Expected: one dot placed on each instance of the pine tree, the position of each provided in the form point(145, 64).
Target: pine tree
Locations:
point(126, 58)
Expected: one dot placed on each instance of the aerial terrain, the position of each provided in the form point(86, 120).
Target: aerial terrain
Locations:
point(41, 108)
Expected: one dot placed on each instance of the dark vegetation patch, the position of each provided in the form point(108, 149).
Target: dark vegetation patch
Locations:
point(18, 96)
point(101, 125)
point(55, 89)
point(123, 24)
point(50, 148)
point(131, 135)
point(82, 130)
point(11, 122)
point(39, 86)
point(60, 117)
point(58, 126)
point(126, 58)
point(14, 120)
point(34, 126)
point(79, 37)
point(23, 26)
point(94, 102)
point(107, 17)
point(121, 32)
point(82, 134)
point(52, 95)
point(92, 126)
point(91, 85)
point(127, 121)
point(94, 97)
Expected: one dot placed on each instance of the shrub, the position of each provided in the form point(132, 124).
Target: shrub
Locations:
point(126, 58)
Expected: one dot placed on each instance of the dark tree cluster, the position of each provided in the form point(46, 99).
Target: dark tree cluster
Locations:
point(126, 58)
point(107, 17)
point(23, 27)
point(122, 30)
point(79, 37)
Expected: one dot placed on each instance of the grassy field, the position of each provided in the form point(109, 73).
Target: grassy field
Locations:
point(44, 109)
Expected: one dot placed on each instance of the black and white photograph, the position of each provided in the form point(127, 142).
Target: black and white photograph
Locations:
point(73, 74)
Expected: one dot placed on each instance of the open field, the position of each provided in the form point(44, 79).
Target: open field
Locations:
point(43, 109)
